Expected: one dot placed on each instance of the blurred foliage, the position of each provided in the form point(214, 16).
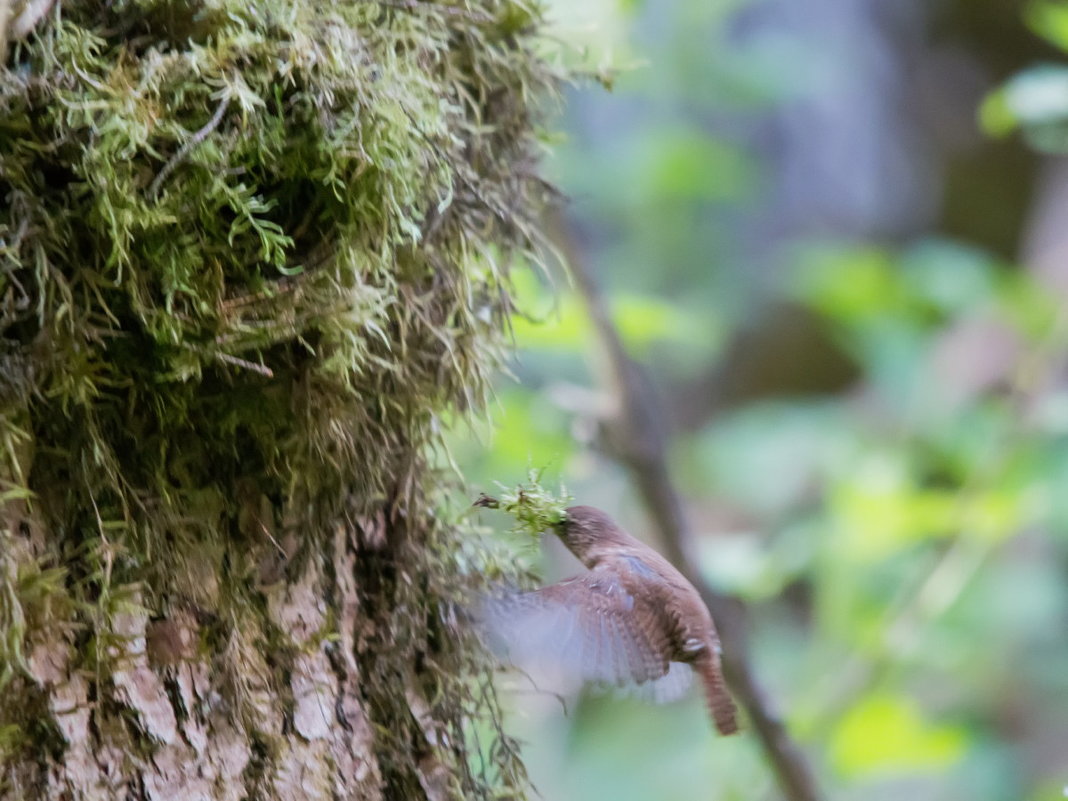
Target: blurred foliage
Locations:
point(1036, 100)
point(902, 545)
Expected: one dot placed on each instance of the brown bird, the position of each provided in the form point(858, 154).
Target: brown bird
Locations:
point(632, 621)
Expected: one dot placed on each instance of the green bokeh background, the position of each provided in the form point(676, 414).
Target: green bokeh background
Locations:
point(866, 392)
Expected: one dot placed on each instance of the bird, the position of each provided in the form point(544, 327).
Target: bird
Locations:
point(630, 621)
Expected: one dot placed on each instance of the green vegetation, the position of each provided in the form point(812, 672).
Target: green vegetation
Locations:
point(535, 508)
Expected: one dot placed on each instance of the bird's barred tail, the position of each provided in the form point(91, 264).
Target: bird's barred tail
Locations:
point(720, 703)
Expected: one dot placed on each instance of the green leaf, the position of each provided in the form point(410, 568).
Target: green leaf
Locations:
point(1035, 100)
point(547, 323)
point(767, 457)
point(951, 277)
point(1050, 20)
point(880, 512)
point(690, 165)
point(567, 328)
point(996, 116)
point(849, 284)
point(643, 320)
point(886, 734)
point(530, 429)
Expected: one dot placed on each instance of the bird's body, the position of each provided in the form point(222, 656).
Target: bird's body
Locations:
point(632, 619)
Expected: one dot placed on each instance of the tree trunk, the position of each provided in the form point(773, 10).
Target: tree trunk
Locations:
point(250, 252)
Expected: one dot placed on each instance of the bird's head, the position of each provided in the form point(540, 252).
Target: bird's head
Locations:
point(586, 530)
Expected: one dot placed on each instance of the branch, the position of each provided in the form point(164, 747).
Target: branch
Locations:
point(638, 440)
point(188, 147)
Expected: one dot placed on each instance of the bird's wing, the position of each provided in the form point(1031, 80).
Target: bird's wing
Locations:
point(590, 626)
point(669, 687)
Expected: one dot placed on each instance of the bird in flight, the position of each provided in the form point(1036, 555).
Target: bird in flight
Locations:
point(631, 621)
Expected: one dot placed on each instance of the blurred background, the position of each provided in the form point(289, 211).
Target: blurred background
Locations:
point(835, 235)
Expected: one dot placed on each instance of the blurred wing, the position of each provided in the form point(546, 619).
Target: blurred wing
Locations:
point(590, 626)
point(669, 687)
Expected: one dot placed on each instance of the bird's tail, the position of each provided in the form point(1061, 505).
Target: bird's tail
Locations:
point(720, 703)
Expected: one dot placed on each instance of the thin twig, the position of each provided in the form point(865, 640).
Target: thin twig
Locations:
point(637, 440)
point(262, 369)
point(187, 148)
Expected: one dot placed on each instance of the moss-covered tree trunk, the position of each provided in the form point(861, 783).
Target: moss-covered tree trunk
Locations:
point(250, 251)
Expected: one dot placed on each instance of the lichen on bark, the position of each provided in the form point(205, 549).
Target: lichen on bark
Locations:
point(250, 254)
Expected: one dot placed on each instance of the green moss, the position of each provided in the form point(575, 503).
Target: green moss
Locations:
point(252, 251)
point(534, 507)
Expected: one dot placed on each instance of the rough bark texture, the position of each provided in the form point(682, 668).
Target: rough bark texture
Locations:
point(249, 253)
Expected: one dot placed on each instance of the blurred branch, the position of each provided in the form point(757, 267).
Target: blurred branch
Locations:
point(637, 439)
